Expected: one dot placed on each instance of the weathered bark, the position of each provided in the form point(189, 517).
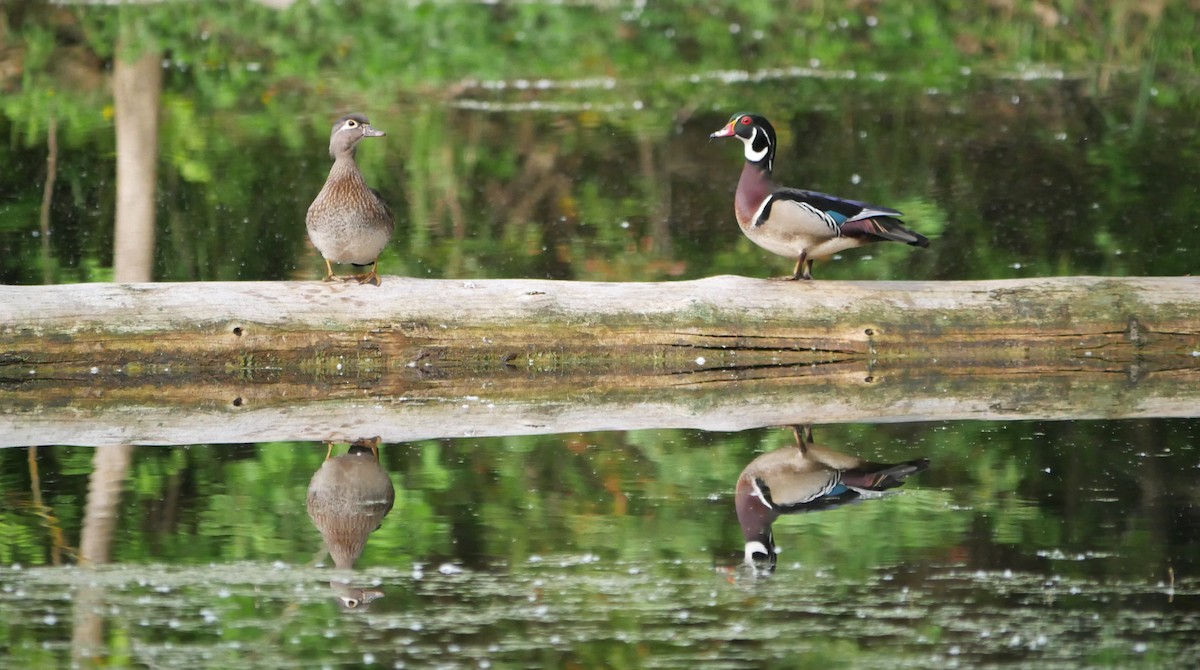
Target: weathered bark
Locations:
point(214, 362)
point(729, 322)
point(137, 87)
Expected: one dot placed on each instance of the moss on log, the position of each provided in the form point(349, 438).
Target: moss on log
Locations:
point(716, 352)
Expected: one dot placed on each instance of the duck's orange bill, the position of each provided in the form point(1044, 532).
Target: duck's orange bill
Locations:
point(724, 132)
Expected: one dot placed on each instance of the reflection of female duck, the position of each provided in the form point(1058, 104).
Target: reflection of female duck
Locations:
point(806, 478)
point(353, 597)
point(348, 498)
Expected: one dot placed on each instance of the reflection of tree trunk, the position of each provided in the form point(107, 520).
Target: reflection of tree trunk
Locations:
point(47, 198)
point(137, 86)
point(109, 465)
point(657, 192)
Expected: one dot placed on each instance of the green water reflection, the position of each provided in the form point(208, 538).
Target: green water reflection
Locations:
point(568, 140)
point(1052, 184)
point(1040, 543)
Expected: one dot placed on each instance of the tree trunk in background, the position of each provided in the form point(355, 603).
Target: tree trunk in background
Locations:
point(137, 87)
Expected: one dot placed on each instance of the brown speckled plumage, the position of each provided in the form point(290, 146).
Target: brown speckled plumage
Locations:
point(348, 498)
point(348, 222)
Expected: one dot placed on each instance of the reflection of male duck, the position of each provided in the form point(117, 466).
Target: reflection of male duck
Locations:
point(806, 478)
point(348, 498)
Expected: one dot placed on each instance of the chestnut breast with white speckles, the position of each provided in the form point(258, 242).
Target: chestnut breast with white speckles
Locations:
point(789, 229)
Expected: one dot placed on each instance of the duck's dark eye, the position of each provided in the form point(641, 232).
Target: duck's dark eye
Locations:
point(352, 123)
point(350, 602)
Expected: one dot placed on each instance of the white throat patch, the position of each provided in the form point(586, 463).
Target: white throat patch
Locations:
point(755, 547)
point(752, 155)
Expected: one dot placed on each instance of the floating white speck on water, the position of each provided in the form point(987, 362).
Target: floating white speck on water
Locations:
point(95, 370)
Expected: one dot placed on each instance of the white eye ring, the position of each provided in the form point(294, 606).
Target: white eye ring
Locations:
point(350, 123)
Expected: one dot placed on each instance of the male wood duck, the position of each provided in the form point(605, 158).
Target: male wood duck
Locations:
point(805, 225)
point(348, 498)
point(349, 222)
point(805, 478)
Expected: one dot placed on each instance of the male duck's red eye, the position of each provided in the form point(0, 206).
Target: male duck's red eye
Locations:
point(746, 121)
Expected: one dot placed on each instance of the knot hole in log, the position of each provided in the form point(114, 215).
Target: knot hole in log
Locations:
point(1134, 332)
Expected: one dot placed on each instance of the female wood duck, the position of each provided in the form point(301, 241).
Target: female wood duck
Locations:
point(350, 597)
point(804, 225)
point(805, 478)
point(349, 221)
point(348, 498)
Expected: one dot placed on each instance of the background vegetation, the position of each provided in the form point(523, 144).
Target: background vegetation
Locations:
point(1028, 137)
point(537, 139)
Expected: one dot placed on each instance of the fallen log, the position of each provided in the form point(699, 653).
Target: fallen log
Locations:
point(301, 360)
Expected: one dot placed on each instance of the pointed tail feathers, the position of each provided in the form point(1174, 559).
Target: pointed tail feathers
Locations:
point(880, 477)
point(884, 228)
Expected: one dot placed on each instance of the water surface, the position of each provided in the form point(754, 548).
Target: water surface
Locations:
point(1025, 543)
